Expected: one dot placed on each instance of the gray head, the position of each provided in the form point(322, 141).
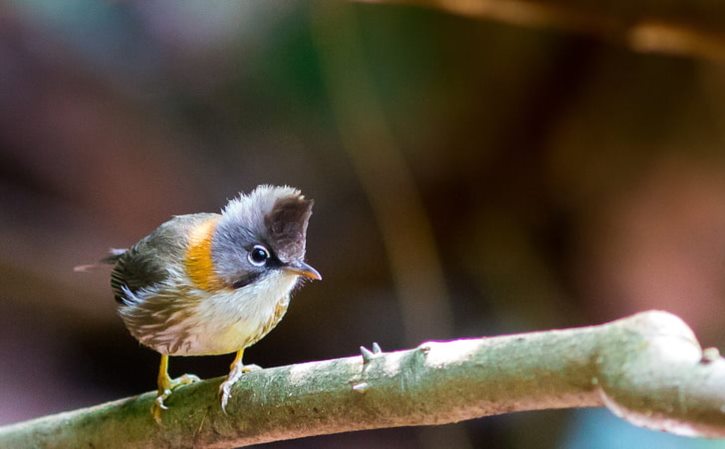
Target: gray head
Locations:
point(262, 233)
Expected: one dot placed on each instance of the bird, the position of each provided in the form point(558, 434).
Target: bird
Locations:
point(214, 283)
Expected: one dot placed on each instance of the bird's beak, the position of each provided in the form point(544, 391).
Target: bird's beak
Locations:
point(302, 269)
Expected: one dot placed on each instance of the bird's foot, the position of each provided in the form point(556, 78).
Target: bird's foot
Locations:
point(158, 407)
point(184, 379)
point(163, 394)
point(225, 389)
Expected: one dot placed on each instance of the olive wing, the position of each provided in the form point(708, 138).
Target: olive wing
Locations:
point(149, 262)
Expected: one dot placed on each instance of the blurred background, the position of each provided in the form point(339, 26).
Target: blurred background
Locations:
point(471, 178)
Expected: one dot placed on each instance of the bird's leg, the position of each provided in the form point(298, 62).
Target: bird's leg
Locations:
point(166, 385)
point(236, 370)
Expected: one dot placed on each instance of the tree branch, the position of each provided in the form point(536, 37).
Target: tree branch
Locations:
point(690, 27)
point(648, 369)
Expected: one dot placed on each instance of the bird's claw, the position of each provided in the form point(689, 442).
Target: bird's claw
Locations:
point(159, 406)
point(185, 379)
point(159, 402)
point(225, 389)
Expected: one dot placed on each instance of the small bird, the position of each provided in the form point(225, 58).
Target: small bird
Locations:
point(209, 284)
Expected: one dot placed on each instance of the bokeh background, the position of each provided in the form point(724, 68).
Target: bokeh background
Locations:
point(471, 178)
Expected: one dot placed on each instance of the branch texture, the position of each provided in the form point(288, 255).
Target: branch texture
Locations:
point(690, 27)
point(648, 369)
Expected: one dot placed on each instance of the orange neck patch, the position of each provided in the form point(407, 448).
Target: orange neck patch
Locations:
point(198, 261)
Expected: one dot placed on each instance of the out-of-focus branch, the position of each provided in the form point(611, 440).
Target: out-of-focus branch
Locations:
point(384, 175)
point(689, 27)
point(386, 178)
point(649, 369)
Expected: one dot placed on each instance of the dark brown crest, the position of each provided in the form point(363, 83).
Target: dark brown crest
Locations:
point(287, 227)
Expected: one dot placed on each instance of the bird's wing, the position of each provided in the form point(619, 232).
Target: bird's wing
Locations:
point(149, 262)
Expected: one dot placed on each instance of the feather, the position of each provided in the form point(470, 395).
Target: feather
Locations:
point(113, 255)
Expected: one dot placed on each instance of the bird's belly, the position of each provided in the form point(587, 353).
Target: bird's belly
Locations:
point(223, 339)
point(229, 321)
point(194, 322)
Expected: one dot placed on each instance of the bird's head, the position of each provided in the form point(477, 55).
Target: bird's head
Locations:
point(261, 238)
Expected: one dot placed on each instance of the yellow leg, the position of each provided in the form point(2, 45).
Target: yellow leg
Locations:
point(237, 360)
point(166, 385)
point(163, 381)
point(236, 369)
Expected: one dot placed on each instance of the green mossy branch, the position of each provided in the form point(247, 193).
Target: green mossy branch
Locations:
point(649, 369)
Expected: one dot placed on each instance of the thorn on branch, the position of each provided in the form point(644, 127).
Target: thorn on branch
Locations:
point(369, 355)
point(709, 355)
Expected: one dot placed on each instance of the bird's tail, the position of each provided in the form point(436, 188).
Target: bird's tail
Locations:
point(113, 255)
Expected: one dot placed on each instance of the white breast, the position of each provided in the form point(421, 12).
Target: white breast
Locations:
point(231, 320)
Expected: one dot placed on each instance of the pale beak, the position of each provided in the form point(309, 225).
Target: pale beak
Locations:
point(302, 269)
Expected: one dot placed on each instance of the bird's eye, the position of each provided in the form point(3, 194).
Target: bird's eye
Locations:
point(258, 255)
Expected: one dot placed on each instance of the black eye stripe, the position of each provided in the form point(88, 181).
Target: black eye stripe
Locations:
point(246, 280)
